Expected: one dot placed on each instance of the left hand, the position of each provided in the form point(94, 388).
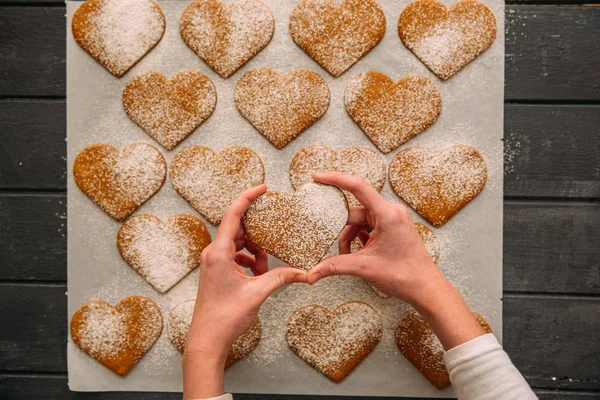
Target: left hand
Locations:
point(228, 300)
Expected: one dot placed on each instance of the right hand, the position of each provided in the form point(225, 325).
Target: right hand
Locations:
point(394, 259)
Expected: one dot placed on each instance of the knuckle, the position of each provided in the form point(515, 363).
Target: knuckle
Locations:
point(281, 281)
point(358, 181)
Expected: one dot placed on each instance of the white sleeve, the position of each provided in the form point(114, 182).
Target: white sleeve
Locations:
point(480, 369)
point(226, 396)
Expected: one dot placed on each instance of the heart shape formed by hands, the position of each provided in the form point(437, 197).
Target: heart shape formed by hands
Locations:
point(117, 337)
point(120, 182)
point(446, 40)
point(334, 342)
point(337, 36)
point(118, 33)
point(391, 113)
point(417, 342)
point(297, 229)
point(226, 36)
point(169, 109)
point(178, 327)
point(162, 253)
point(360, 161)
point(211, 182)
point(437, 186)
point(281, 107)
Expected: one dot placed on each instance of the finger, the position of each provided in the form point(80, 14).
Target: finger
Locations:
point(357, 216)
point(364, 237)
point(345, 264)
point(247, 261)
point(278, 277)
point(260, 256)
point(231, 223)
point(356, 185)
point(346, 237)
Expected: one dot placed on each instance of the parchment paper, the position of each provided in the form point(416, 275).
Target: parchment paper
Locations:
point(470, 244)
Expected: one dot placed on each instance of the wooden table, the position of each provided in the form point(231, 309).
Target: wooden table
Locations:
point(551, 214)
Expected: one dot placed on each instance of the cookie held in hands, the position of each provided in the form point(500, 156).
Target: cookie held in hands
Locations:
point(120, 182)
point(359, 161)
point(417, 342)
point(281, 107)
point(337, 36)
point(391, 113)
point(211, 182)
point(169, 109)
point(117, 337)
point(297, 229)
point(178, 327)
point(226, 36)
point(334, 342)
point(118, 34)
point(438, 185)
point(446, 40)
point(162, 253)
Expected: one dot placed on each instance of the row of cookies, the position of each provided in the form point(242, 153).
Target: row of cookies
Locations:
point(282, 107)
point(333, 342)
point(120, 33)
point(436, 185)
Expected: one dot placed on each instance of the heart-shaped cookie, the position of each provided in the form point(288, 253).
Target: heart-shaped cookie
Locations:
point(428, 237)
point(210, 182)
point(337, 36)
point(118, 33)
point(226, 36)
point(417, 342)
point(163, 253)
point(120, 182)
point(360, 161)
point(169, 109)
point(117, 337)
point(438, 185)
point(297, 229)
point(391, 113)
point(334, 342)
point(178, 327)
point(446, 40)
point(281, 107)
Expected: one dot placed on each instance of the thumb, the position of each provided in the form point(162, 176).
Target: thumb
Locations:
point(277, 278)
point(346, 264)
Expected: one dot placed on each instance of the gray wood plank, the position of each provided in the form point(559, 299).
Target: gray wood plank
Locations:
point(55, 388)
point(550, 247)
point(553, 340)
point(546, 337)
point(33, 243)
point(32, 144)
point(32, 49)
point(552, 151)
point(551, 54)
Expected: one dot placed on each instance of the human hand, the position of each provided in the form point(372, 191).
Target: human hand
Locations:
point(394, 259)
point(228, 300)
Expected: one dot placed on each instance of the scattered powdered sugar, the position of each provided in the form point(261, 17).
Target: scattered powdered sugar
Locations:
point(162, 253)
point(337, 36)
point(329, 340)
point(179, 322)
point(417, 339)
point(281, 107)
point(119, 32)
point(359, 161)
point(140, 171)
point(448, 43)
point(102, 331)
point(226, 36)
point(297, 229)
point(391, 113)
point(210, 182)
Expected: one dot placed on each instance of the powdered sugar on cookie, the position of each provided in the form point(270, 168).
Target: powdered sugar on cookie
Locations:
point(118, 33)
